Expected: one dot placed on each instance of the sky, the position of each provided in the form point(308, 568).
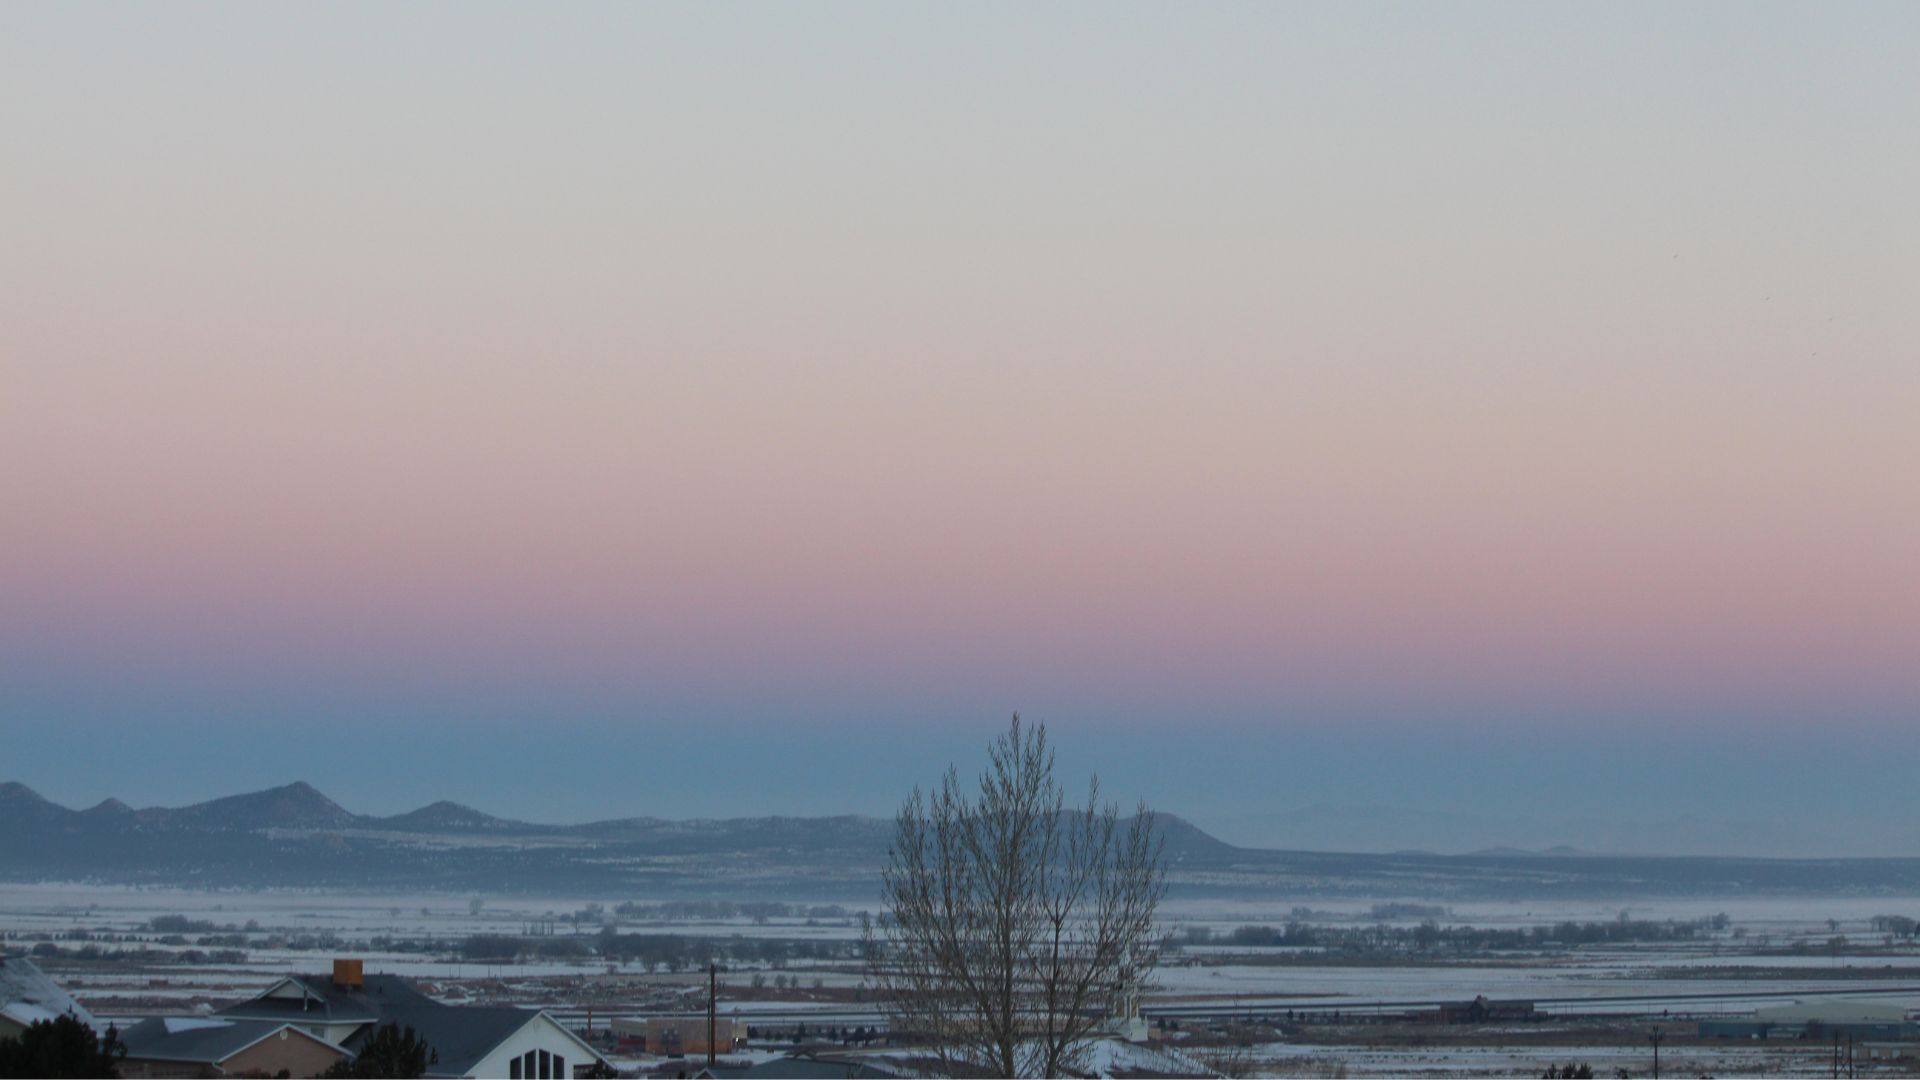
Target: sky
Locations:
point(723, 409)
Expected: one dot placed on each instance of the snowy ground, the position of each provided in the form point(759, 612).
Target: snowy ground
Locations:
point(1358, 1060)
point(1450, 983)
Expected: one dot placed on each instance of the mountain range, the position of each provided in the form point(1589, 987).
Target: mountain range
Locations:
point(294, 836)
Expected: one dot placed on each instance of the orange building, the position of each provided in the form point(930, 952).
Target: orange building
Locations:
point(682, 1034)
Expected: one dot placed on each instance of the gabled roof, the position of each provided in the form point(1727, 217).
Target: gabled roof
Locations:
point(27, 995)
point(204, 1040)
point(463, 1035)
point(307, 999)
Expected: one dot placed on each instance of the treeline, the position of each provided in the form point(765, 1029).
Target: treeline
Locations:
point(1400, 910)
point(1431, 936)
point(225, 947)
point(1897, 925)
point(136, 954)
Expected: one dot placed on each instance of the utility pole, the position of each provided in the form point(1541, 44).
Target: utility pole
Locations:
point(1654, 1037)
point(713, 999)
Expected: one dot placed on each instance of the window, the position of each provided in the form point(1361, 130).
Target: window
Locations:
point(560, 1068)
point(513, 1069)
point(546, 1066)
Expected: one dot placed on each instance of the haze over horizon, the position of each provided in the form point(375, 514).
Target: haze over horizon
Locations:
point(1496, 413)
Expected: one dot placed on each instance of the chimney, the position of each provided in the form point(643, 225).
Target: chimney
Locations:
point(346, 974)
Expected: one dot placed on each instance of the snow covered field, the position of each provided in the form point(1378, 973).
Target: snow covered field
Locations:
point(1285, 1059)
point(1759, 915)
point(1770, 945)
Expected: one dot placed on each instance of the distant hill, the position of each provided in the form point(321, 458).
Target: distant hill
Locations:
point(1186, 840)
point(294, 806)
point(21, 806)
point(296, 837)
point(445, 816)
point(108, 808)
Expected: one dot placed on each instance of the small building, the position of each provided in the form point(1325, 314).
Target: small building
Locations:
point(28, 996)
point(205, 1046)
point(681, 1034)
point(1123, 1015)
point(1480, 1010)
point(1888, 1051)
point(1735, 1027)
point(1859, 1020)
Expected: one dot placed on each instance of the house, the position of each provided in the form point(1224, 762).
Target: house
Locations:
point(348, 1007)
point(325, 1008)
point(177, 1046)
point(28, 996)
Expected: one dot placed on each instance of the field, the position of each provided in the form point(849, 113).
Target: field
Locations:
point(1344, 1000)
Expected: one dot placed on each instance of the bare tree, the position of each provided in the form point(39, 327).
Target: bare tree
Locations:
point(1014, 926)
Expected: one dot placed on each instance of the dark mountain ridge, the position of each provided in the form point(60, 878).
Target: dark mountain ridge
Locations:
point(294, 836)
point(293, 806)
point(20, 804)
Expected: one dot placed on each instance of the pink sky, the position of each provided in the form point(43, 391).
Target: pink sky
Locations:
point(1570, 359)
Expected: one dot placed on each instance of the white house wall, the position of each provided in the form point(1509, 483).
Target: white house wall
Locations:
point(337, 1034)
point(539, 1033)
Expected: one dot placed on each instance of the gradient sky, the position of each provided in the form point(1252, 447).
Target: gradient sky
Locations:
point(1448, 406)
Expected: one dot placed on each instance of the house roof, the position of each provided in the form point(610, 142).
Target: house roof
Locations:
point(27, 995)
point(469, 1053)
point(203, 1039)
point(309, 998)
point(461, 1035)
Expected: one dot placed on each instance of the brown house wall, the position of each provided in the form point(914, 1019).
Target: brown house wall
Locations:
point(297, 1053)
